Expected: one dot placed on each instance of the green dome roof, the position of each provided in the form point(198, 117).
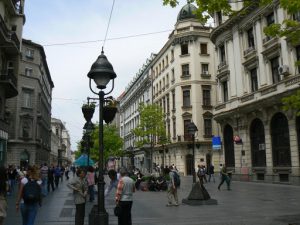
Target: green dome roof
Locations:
point(186, 12)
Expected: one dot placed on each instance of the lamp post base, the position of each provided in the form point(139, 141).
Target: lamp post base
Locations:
point(199, 196)
point(96, 218)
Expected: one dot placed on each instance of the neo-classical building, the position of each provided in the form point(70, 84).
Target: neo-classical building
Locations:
point(184, 86)
point(12, 19)
point(60, 143)
point(138, 91)
point(30, 111)
point(254, 72)
point(180, 78)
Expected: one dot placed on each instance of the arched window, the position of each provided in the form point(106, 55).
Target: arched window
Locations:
point(228, 145)
point(280, 140)
point(257, 137)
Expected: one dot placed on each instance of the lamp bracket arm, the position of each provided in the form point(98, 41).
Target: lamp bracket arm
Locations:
point(90, 84)
point(112, 88)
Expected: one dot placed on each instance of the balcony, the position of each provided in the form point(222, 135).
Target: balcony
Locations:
point(8, 38)
point(9, 82)
point(222, 64)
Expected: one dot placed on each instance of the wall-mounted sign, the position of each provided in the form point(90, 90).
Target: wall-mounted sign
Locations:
point(216, 143)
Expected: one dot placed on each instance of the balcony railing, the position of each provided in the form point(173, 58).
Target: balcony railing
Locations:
point(5, 76)
point(222, 64)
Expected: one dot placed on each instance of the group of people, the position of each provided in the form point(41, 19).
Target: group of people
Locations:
point(33, 184)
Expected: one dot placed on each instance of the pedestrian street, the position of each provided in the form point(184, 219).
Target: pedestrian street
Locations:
point(246, 204)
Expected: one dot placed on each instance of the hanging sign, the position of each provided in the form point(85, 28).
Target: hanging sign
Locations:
point(216, 143)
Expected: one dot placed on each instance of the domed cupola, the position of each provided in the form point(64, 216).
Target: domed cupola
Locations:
point(186, 12)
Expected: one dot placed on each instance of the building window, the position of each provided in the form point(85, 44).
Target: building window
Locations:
point(222, 54)
point(250, 38)
point(225, 91)
point(185, 70)
point(219, 17)
point(172, 55)
point(26, 129)
point(168, 104)
point(204, 68)
point(206, 97)
point(27, 98)
point(253, 78)
point(186, 133)
point(184, 49)
point(296, 16)
point(186, 98)
point(298, 56)
point(28, 72)
point(174, 128)
point(167, 79)
point(29, 53)
point(207, 127)
point(173, 100)
point(203, 48)
point(270, 19)
point(274, 70)
point(173, 76)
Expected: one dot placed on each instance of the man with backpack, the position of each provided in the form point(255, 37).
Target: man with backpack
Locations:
point(29, 197)
point(172, 187)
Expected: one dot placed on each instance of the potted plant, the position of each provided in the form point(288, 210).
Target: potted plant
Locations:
point(110, 110)
point(88, 110)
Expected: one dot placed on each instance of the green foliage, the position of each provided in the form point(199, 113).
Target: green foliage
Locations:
point(151, 124)
point(292, 102)
point(113, 143)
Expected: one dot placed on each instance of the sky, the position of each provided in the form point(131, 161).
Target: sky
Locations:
point(72, 33)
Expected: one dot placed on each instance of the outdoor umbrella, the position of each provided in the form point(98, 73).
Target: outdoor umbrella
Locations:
point(83, 161)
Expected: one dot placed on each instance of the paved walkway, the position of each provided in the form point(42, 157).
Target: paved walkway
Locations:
point(247, 204)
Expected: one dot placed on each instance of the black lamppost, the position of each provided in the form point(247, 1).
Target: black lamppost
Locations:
point(101, 72)
point(89, 127)
point(192, 129)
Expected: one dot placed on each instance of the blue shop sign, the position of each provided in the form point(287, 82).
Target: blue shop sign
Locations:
point(216, 143)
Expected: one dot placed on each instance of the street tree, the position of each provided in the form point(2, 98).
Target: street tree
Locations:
point(151, 128)
point(112, 142)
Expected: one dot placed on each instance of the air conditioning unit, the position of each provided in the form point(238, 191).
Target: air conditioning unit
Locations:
point(283, 70)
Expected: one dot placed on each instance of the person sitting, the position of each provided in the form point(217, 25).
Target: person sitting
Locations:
point(138, 180)
point(161, 184)
point(152, 183)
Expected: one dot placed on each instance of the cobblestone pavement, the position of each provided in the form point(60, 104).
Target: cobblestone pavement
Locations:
point(246, 204)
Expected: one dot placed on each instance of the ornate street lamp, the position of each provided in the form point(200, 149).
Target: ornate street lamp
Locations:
point(198, 194)
point(101, 72)
point(192, 129)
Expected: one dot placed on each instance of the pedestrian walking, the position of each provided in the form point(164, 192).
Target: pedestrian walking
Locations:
point(211, 172)
point(4, 186)
point(124, 198)
point(29, 196)
point(57, 173)
point(112, 174)
point(12, 175)
point(44, 177)
point(225, 177)
point(80, 190)
point(201, 174)
point(172, 188)
point(91, 183)
point(50, 178)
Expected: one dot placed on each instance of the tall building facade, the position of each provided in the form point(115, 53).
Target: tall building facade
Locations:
point(138, 91)
point(254, 72)
point(30, 112)
point(12, 19)
point(184, 86)
point(60, 144)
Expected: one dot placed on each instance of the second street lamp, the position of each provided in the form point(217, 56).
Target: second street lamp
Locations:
point(192, 129)
point(101, 72)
